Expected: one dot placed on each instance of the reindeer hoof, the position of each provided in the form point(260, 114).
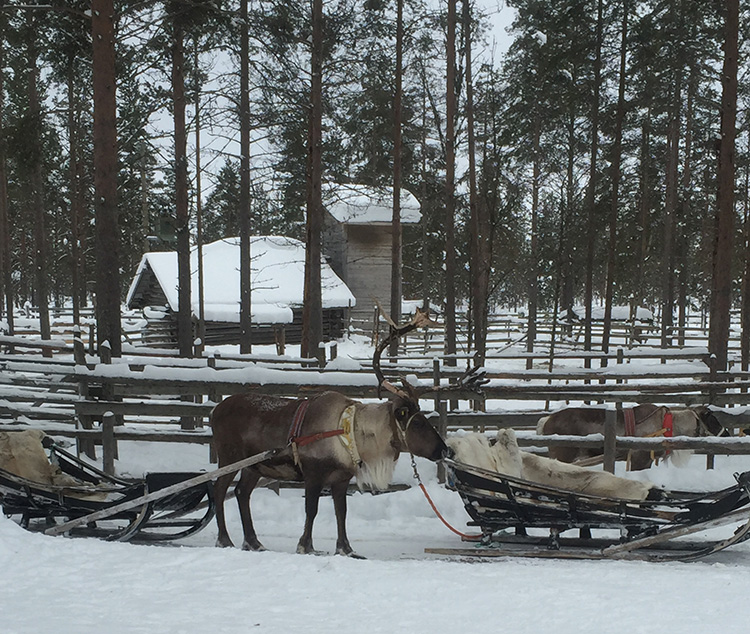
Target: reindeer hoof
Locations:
point(347, 551)
point(224, 543)
point(255, 546)
point(307, 549)
point(351, 554)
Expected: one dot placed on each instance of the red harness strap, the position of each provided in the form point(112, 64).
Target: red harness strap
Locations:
point(306, 440)
point(299, 416)
point(668, 425)
point(629, 416)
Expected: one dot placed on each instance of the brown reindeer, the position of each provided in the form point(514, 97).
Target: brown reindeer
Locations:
point(646, 420)
point(328, 440)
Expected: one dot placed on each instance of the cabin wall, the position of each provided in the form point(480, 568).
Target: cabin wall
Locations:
point(148, 291)
point(368, 266)
point(163, 332)
point(334, 245)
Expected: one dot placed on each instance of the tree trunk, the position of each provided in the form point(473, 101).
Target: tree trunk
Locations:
point(199, 206)
point(37, 183)
point(745, 307)
point(450, 185)
point(76, 194)
point(105, 176)
point(184, 307)
point(5, 253)
point(684, 209)
point(721, 282)
point(591, 192)
point(644, 211)
point(616, 162)
point(534, 255)
point(312, 312)
point(567, 294)
point(425, 228)
point(479, 239)
point(396, 238)
point(671, 201)
point(244, 211)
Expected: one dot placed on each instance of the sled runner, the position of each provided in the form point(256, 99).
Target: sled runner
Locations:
point(68, 488)
point(507, 508)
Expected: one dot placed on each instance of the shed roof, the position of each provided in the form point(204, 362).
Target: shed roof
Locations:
point(277, 279)
point(364, 205)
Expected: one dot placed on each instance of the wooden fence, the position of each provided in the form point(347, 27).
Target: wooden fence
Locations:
point(505, 329)
point(162, 398)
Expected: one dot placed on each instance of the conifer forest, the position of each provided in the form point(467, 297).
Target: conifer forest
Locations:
point(599, 156)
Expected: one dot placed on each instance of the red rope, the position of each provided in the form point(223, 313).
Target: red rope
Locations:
point(468, 538)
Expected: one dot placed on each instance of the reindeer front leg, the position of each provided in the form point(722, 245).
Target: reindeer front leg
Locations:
point(338, 491)
point(312, 497)
point(248, 479)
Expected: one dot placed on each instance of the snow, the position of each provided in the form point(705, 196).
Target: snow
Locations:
point(619, 313)
point(540, 37)
point(360, 204)
point(278, 273)
point(87, 586)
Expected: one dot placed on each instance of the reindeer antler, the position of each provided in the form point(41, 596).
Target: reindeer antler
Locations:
point(421, 319)
point(472, 380)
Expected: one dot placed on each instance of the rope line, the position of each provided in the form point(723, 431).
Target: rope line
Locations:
point(464, 536)
point(468, 538)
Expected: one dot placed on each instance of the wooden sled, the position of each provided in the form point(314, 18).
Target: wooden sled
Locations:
point(507, 508)
point(89, 490)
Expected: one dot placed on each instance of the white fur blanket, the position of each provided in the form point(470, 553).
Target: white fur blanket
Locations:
point(504, 456)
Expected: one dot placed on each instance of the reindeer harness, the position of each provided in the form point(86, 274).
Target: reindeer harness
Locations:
point(345, 432)
point(667, 423)
point(667, 426)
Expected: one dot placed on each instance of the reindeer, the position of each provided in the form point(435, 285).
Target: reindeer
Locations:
point(328, 440)
point(641, 421)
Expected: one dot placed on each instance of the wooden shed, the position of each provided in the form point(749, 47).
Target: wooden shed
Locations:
point(357, 237)
point(277, 281)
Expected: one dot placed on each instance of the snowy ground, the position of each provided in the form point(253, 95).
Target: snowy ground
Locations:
point(90, 586)
point(82, 586)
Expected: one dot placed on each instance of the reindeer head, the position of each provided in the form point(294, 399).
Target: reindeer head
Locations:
point(414, 431)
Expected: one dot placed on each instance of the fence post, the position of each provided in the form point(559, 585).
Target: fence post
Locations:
point(83, 445)
point(610, 438)
point(79, 352)
point(279, 336)
point(436, 380)
point(108, 390)
point(620, 361)
point(214, 397)
point(109, 443)
point(443, 431)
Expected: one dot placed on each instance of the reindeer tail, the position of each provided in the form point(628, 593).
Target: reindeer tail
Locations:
point(540, 425)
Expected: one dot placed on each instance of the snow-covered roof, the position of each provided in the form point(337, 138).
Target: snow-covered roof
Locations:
point(619, 313)
point(364, 205)
point(277, 279)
